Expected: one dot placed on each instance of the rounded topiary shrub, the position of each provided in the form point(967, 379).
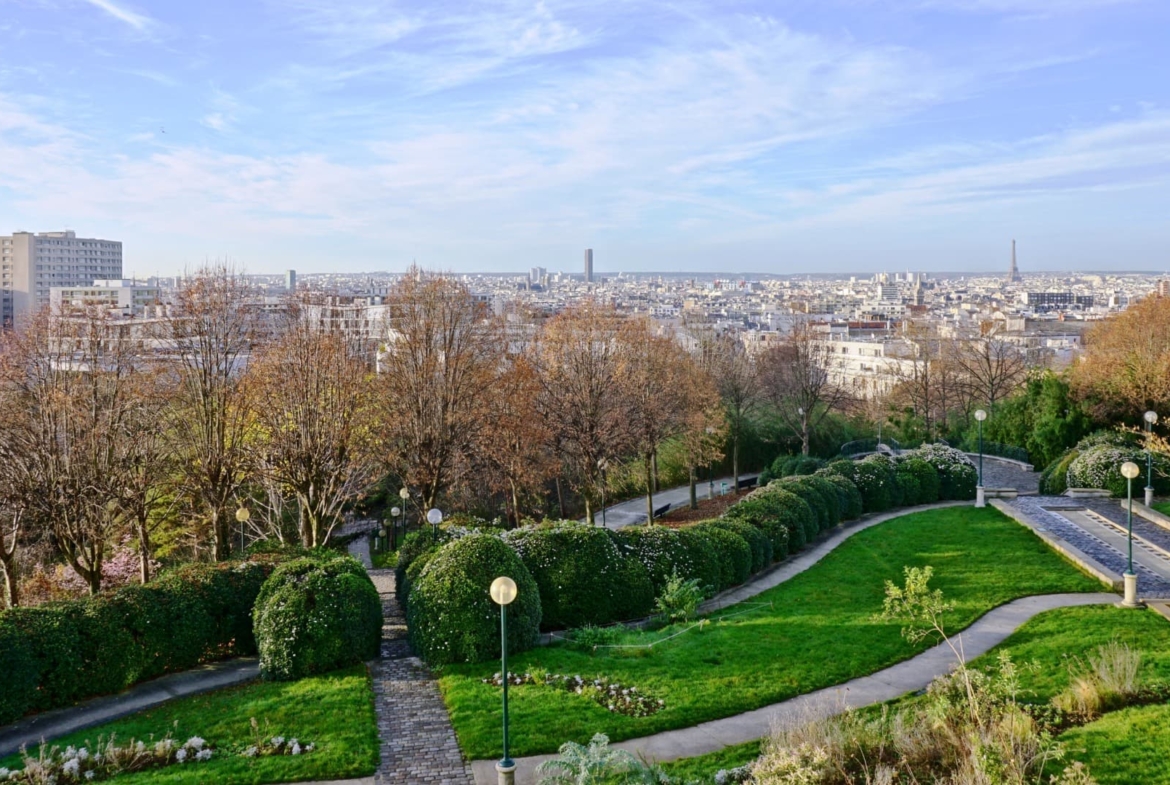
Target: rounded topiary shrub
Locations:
point(582, 575)
point(452, 617)
point(759, 543)
point(660, 550)
point(314, 616)
point(731, 552)
point(821, 495)
point(925, 485)
point(844, 467)
point(705, 566)
point(849, 498)
point(875, 481)
point(793, 513)
point(765, 509)
point(957, 475)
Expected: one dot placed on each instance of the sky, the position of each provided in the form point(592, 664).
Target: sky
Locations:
point(775, 137)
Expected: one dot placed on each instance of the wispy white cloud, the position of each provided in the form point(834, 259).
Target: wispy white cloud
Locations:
point(136, 20)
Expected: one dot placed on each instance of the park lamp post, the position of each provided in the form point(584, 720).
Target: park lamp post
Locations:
point(394, 513)
point(404, 494)
point(242, 516)
point(1130, 470)
point(434, 518)
point(1150, 417)
point(980, 499)
point(602, 465)
point(503, 591)
point(710, 468)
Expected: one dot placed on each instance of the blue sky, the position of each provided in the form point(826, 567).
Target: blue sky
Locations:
point(798, 136)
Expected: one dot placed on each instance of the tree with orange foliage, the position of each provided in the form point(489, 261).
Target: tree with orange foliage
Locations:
point(1125, 368)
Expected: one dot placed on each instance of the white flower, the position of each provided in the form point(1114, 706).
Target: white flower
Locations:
point(277, 741)
point(4, 773)
point(89, 774)
point(83, 754)
point(203, 755)
point(181, 755)
point(195, 743)
point(72, 767)
point(296, 748)
point(250, 752)
point(309, 747)
point(70, 752)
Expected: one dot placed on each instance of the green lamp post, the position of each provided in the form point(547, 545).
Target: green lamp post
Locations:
point(503, 592)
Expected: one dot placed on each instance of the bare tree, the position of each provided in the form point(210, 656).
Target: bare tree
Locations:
point(310, 396)
point(440, 357)
point(797, 376)
point(703, 423)
point(724, 359)
point(583, 397)
point(652, 372)
point(212, 330)
point(994, 367)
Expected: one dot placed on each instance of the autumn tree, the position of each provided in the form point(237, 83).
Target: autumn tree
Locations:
point(13, 492)
point(723, 358)
point(703, 423)
point(309, 395)
point(798, 377)
point(213, 331)
point(578, 359)
point(653, 375)
point(1125, 367)
point(440, 357)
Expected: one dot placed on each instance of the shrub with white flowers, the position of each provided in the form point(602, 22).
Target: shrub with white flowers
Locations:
point(1100, 467)
point(105, 759)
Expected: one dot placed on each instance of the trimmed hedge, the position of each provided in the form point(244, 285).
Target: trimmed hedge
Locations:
point(820, 495)
point(451, 615)
point(77, 649)
point(956, 473)
point(314, 616)
point(785, 517)
point(849, 497)
point(581, 574)
point(1054, 479)
point(790, 466)
point(759, 543)
point(874, 478)
point(919, 480)
point(705, 566)
point(660, 550)
point(732, 553)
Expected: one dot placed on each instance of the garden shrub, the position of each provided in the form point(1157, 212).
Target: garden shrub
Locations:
point(875, 480)
point(850, 501)
point(730, 551)
point(582, 575)
point(313, 616)
point(451, 615)
point(842, 466)
point(1054, 478)
point(1100, 467)
point(790, 466)
point(759, 543)
point(956, 473)
point(778, 513)
point(80, 648)
point(705, 566)
point(659, 549)
point(20, 672)
point(925, 486)
point(813, 499)
point(819, 494)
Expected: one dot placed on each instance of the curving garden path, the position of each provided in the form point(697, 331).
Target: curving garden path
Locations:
point(893, 682)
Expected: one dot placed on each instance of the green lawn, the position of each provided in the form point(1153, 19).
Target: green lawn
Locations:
point(819, 631)
point(1127, 746)
point(334, 711)
point(703, 768)
point(1162, 507)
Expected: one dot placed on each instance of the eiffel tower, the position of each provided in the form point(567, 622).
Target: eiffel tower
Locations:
point(1014, 272)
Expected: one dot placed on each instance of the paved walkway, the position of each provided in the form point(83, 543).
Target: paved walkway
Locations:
point(893, 682)
point(633, 511)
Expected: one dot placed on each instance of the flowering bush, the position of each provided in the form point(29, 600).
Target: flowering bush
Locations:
point(919, 480)
point(874, 477)
point(314, 616)
point(851, 503)
point(956, 473)
point(1100, 467)
point(105, 760)
point(451, 616)
point(819, 494)
point(581, 574)
point(660, 550)
point(786, 518)
point(608, 694)
point(730, 552)
point(264, 745)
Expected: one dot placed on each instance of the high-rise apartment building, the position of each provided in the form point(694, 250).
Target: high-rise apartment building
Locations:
point(32, 264)
point(290, 280)
point(588, 265)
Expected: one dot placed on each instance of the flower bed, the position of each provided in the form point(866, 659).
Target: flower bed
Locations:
point(108, 759)
point(608, 694)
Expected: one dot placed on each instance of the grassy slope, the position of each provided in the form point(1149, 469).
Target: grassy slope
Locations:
point(819, 631)
point(1162, 507)
point(334, 711)
point(1123, 747)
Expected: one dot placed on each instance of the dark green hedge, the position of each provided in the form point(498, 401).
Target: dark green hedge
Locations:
point(730, 551)
point(875, 479)
point(581, 574)
point(314, 616)
point(761, 546)
point(73, 650)
point(849, 498)
point(451, 615)
point(919, 480)
point(660, 550)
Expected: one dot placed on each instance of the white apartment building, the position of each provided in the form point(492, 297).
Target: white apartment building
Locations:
point(125, 296)
point(32, 264)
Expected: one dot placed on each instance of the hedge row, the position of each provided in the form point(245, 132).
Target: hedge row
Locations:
point(57, 654)
point(572, 574)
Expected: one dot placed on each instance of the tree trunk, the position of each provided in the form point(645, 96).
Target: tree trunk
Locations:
point(588, 509)
point(515, 505)
point(735, 459)
point(654, 460)
point(804, 434)
point(647, 464)
point(143, 552)
point(694, 493)
point(222, 536)
point(11, 581)
point(560, 498)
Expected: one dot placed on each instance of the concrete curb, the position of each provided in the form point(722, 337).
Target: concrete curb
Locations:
point(59, 722)
point(892, 682)
point(1074, 555)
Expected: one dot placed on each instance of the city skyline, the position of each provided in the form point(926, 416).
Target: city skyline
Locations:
point(838, 137)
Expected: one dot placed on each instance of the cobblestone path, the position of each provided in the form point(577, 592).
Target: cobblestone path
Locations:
point(418, 742)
